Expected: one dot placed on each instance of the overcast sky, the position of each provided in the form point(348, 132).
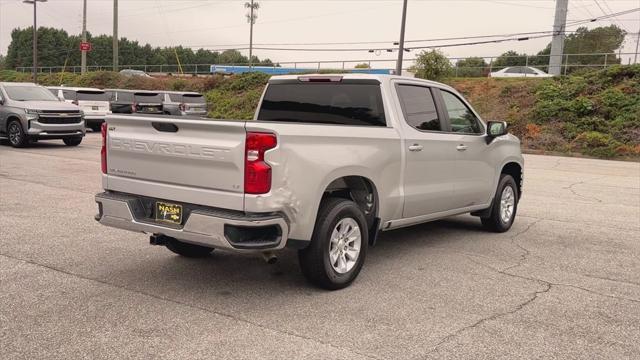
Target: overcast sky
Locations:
point(220, 23)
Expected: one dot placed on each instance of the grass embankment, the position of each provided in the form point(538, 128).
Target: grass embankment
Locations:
point(595, 114)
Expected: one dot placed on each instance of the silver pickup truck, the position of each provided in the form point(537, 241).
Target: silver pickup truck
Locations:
point(328, 163)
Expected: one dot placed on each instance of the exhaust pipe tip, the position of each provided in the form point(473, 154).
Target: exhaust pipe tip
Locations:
point(269, 257)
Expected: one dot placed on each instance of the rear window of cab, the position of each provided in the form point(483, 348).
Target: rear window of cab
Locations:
point(341, 103)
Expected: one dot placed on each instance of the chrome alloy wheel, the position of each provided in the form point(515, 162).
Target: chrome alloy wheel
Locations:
point(14, 133)
point(344, 247)
point(507, 204)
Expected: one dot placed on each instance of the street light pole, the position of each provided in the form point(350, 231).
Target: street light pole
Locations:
point(35, 38)
point(401, 43)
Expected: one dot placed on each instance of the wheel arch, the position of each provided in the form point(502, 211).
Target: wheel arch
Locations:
point(361, 190)
point(11, 118)
point(514, 169)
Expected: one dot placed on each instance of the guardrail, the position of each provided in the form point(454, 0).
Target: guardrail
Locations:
point(491, 63)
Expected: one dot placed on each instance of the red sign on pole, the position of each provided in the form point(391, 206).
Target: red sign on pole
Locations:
point(85, 46)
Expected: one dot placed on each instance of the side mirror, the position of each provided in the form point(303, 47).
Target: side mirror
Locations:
point(495, 129)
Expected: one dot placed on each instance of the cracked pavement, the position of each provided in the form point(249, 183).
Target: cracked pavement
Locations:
point(563, 283)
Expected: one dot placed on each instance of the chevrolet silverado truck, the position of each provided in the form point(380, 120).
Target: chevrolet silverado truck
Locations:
point(328, 162)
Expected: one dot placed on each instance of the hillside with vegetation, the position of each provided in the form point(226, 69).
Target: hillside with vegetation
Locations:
point(594, 113)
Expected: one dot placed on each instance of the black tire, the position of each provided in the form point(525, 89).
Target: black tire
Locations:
point(72, 141)
point(314, 259)
point(187, 250)
point(95, 127)
point(16, 135)
point(494, 222)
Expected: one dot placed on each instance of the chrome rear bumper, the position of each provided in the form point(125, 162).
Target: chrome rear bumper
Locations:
point(213, 228)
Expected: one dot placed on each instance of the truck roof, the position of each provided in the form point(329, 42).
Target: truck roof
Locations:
point(381, 78)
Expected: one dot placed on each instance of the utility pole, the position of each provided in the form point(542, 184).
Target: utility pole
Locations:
point(251, 18)
point(557, 43)
point(35, 38)
point(401, 43)
point(635, 57)
point(83, 59)
point(115, 35)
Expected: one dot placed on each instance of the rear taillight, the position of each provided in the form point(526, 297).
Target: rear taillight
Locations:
point(257, 173)
point(133, 107)
point(182, 107)
point(103, 149)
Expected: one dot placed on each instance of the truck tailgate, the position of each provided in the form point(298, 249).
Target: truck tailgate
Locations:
point(195, 161)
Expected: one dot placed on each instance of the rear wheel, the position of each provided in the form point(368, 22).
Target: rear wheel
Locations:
point(505, 205)
point(187, 250)
point(72, 141)
point(16, 135)
point(338, 246)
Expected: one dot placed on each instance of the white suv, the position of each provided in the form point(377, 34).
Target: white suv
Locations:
point(93, 102)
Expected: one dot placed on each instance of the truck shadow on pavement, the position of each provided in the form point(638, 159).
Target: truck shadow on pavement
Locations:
point(231, 275)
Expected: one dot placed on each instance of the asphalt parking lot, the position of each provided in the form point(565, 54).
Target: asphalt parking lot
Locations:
point(563, 283)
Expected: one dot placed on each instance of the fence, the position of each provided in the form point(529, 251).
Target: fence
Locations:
point(462, 66)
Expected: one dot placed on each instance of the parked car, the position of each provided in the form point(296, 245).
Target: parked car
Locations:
point(135, 101)
point(29, 112)
point(519, 71)
point(147, 102)
point(120, 100)
point(184, 103)
point(328, 163)
point(131, 72)
point(94, 103)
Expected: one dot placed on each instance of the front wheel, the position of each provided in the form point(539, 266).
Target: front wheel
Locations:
point(72, 141)
point(17, 137)
point(505, 205)
point(338, 246)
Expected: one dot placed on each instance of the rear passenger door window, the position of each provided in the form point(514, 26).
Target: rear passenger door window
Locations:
point(419, 108)
point(461, 118)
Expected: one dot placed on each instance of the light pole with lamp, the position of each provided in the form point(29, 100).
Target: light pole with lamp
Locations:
point(35, 38)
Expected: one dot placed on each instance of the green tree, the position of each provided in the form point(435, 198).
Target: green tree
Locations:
point(2, 61)
point(600, 40)
point(56, 48)
point(509, 58)
point(471, 67)
point(432, 65)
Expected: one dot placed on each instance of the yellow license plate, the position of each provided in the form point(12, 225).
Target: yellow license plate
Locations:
point(170, 213)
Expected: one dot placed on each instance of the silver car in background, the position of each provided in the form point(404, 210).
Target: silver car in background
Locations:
point(29, 112)
point(93, 102)
point(183, 103)
point(519, 72)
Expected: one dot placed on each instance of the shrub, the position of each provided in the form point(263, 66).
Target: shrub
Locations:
point(597, 144)
point(432, 65)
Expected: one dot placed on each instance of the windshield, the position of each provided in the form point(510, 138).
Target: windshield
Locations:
point(29, 93)
point(94, 95)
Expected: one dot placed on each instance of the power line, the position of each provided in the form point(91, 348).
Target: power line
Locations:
point(538, 34)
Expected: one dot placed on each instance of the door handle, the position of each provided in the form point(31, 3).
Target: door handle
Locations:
point(461, 147)
point(415, 147)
